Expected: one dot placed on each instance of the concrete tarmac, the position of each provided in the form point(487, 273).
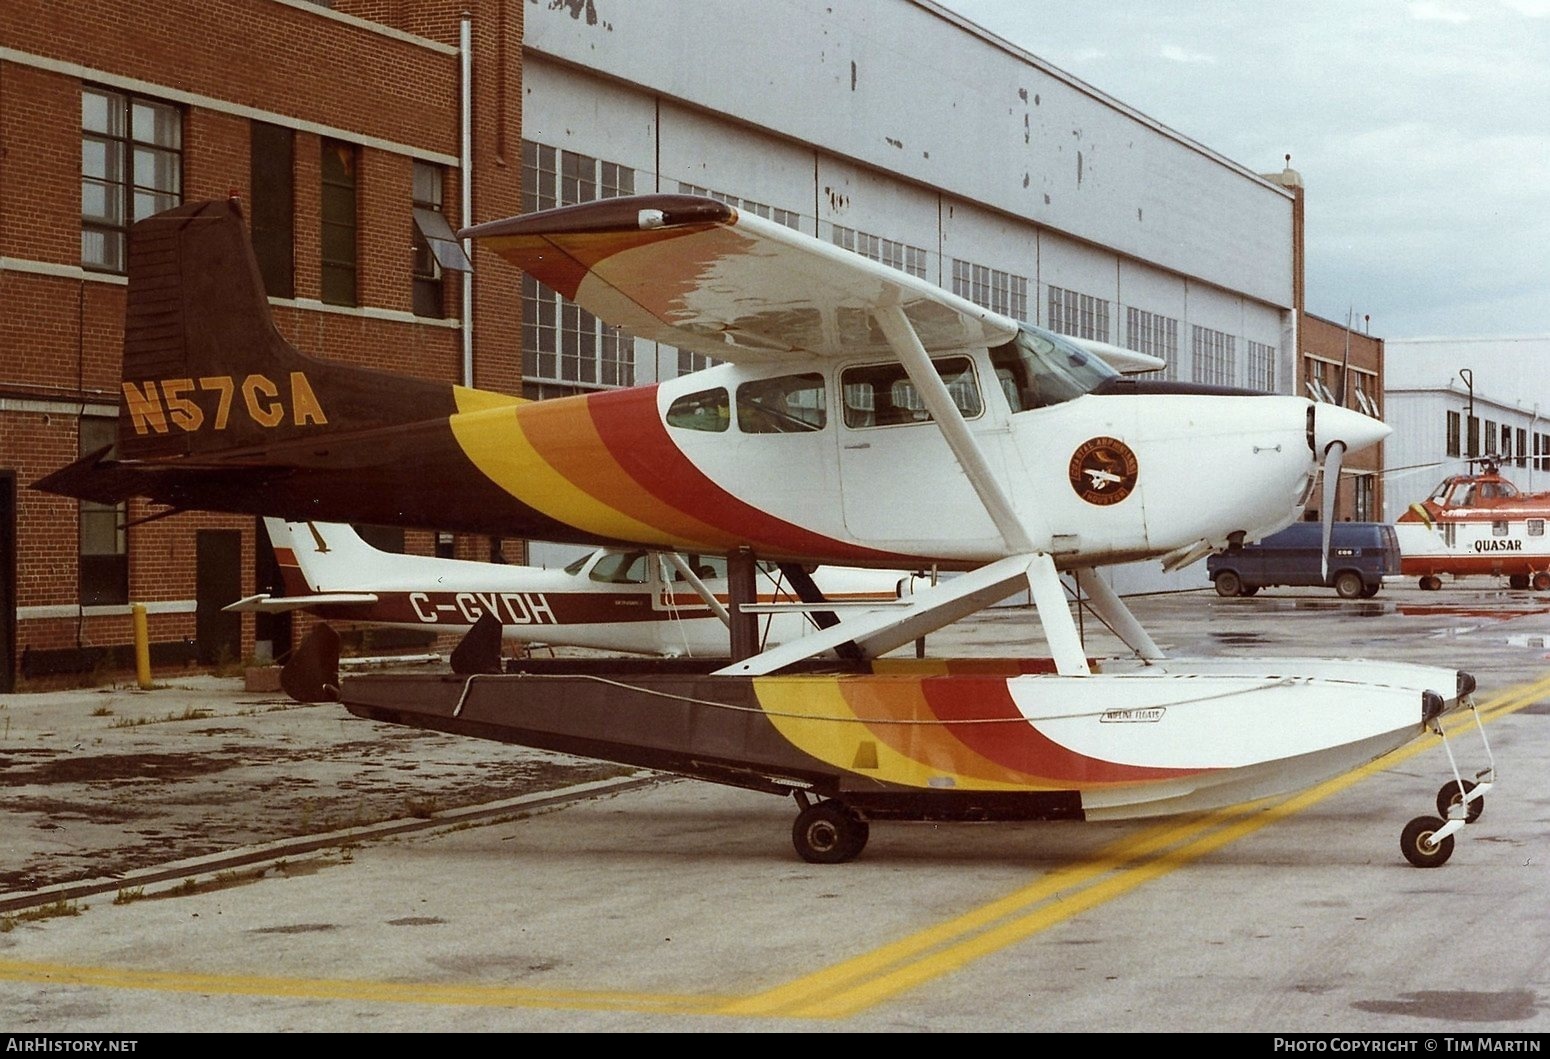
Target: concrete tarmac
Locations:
point(195, 858)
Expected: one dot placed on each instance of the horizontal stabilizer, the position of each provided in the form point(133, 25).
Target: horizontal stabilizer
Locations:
point(263, 603)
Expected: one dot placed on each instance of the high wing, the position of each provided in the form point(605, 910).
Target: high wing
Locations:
point(710, 278)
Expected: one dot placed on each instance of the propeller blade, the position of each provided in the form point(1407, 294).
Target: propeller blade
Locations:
point(1334, 455)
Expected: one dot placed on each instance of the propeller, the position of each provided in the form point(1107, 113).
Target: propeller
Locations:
point(1334, 455)
point(1336, 431)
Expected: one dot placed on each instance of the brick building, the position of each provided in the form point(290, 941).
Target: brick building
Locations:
point(342, 130)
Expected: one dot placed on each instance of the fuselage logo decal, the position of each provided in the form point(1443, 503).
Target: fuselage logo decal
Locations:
point(1103, 471)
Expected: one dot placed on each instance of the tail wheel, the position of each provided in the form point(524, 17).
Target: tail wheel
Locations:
point(829, 833)
point(1452, 794)
point(1542, 581)
point(1418, 845)
point(1228, 584)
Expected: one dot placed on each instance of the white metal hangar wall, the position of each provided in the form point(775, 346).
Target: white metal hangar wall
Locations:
point(901, 131)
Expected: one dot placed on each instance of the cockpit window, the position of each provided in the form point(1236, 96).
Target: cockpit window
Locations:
point(621, 568)
point(705, 410)
point(1038, 368)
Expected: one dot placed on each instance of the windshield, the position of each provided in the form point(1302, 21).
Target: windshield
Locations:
point(1038, 368)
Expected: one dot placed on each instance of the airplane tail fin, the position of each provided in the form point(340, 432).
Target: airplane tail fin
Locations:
point(319, 557)
point(205, 369)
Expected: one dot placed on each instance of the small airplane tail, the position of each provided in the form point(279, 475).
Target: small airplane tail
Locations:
point(324, 557)
point(206, 370)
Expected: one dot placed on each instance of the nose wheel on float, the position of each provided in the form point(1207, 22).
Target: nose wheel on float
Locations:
point(1427, 841)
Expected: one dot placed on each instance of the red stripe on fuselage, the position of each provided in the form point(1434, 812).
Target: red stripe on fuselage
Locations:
point(632, 429)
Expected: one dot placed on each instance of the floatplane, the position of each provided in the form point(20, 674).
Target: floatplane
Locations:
point(861, 417)
point(1477, 524)
point(609, 599)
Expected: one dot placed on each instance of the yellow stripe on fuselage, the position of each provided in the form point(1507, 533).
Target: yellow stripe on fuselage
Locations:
point(493, 439)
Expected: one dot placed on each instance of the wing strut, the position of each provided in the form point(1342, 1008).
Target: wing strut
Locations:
point(1065, 643)
point(907, 347)
point(1111, 610)
point(879, 631)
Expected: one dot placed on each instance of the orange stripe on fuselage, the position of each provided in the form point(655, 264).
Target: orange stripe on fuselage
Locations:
point(567, 439)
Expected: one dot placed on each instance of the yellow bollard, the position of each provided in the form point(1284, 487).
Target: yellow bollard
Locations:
point(142, 647)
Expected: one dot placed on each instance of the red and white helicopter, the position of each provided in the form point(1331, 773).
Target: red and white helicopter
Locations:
point(609, 599)
point(862, 417)
point(1477, 524)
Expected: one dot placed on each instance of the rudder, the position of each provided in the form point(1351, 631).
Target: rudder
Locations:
point(205, 369)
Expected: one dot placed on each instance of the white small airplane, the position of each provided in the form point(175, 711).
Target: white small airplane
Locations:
point(861, 417)
point(610, 599)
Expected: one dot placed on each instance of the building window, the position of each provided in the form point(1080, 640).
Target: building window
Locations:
point(1543, 448)
point(435, 246)
point(1155, 335)
point(272, 185)
point(901, 256)
point(1454, 430)
point(131, 167)
point(104, 544)
point(339, 223)
point(1521, 452)
point(1490, 437)
point(1473, 437)
point(1078, 315)
point(565, 349)
point(1364, 501)
point(1214, 357)
point(1000, 292)
point(1262, 367)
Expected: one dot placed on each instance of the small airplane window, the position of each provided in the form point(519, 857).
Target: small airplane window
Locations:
point(789, 404)
point(883, 395)
point(1536, 527)
point(620, 568)
point(575, 567)
point(705, 410)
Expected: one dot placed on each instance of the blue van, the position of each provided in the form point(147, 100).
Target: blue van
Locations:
point(1361, 555)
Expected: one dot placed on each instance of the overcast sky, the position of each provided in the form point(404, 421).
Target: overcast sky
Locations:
point(1421, 129)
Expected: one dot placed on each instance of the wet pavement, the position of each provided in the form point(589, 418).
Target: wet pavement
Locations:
point(299, 868)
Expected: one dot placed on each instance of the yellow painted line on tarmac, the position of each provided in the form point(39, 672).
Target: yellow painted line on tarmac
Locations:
point(853, 985)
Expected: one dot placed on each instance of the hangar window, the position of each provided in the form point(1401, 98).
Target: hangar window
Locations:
point(790, 404)
point(1155, 335)
point(1262, 367)
point(434, 246)
point(565, 349)
point(1079, 315)
point(705, 410)
point(339, 223)
point(131, 167)
point(881, 395)
point(104, 540)
point(902, 256)
point(1214, 357)
point(1000, 292)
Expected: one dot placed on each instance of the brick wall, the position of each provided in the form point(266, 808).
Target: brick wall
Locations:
point(61, 331)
